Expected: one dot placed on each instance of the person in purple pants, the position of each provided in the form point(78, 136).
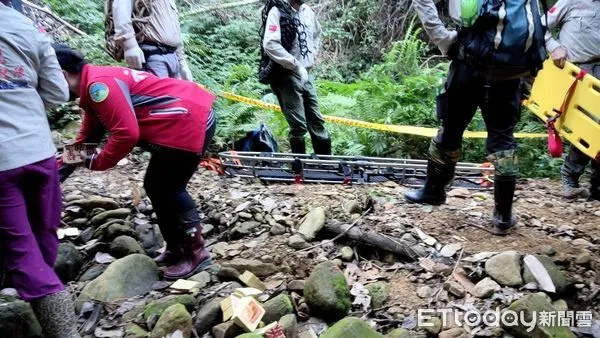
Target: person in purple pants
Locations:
point(31, 82)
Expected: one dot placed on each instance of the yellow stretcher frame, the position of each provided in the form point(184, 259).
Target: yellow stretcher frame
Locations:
point(580, 122)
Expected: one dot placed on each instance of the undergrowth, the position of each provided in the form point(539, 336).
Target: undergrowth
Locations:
point(222, 50)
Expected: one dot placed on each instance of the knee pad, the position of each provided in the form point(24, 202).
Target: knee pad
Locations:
point(505, 162)
point(443, 156)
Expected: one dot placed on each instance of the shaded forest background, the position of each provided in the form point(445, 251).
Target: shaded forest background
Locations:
point(376, 65)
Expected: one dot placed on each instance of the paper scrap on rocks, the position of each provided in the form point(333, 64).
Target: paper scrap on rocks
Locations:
point(361, 295)
point(184, 285)
point(540, 273)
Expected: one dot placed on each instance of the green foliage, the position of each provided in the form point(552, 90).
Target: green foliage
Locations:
point(87, 15)
point(223, 50)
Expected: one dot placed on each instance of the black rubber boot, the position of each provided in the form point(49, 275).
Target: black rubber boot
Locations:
point(504, 191)
point(298, 145)
point(595, 182)
point(434, 191)
point(322, 147)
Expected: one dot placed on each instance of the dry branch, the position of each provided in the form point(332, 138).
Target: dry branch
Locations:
point(221, 6)
point(55, 17)
point(374, 239)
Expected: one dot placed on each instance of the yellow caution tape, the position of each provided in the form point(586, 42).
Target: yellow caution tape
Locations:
point(400, 129)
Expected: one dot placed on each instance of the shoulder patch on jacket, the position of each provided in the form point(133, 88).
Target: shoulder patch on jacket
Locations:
point(98, 92)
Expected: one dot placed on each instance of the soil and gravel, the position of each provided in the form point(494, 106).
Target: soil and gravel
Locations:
point(281, 233)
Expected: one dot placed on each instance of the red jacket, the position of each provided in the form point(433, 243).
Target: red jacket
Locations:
point(137, 107)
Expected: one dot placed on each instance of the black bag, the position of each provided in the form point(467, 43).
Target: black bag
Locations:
point(260, 140)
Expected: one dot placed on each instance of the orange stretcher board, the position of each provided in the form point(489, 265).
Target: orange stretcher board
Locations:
point(580, 121)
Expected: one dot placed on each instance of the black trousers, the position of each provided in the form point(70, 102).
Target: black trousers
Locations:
point(167, 176)
point(465, 91)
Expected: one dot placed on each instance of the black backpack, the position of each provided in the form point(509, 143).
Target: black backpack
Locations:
point(506, 41)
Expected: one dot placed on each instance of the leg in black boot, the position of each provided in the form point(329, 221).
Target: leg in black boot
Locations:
point(298, 145)
point(504, 190)
point(505, 180)
point(440, 171)
point(322, 146)
point(595, 181)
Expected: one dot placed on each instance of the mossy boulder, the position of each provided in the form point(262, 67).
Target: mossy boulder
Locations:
point(379, 292)
point(528, 307)
point(289, 324)
point(115, 214)
point(68, 262)
point(156, 308)
point(276, 308)
point(135, 331)
point(351, 327)
point(175, 318)
point(124, 278)
point(399, 333)
point(326, 292)
point(208, 316)
point(124, 245)
point(18, 320)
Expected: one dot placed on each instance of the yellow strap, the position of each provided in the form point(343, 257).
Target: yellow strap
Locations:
point(412, 130)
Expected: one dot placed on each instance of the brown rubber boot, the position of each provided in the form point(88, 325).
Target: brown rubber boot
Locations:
point(172, 252)
point(194, 257)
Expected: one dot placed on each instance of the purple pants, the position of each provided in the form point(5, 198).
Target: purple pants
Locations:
point(30, 206)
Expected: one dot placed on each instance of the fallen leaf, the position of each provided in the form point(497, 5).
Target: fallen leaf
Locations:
point(479, 257)
point(176, 334)
point(238, 194)
point(459, 192)
point(104, 258)
point(268, 204)
point(242, 206)
point(427, 264)
point(425, 237)
point(104, 333)
point(136, 194)
point(461, 277)
point(450, 250)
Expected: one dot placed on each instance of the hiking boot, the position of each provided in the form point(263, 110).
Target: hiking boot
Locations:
point(434, 190)
point(56, 315)
point(574, 193)
point(194, 257)
point(504, 191)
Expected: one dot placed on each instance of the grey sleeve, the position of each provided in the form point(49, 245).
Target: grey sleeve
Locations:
point(317, 36)
point(272, 42)
point(556, 17)
point(52, 85)
point(122, 11)
point(435, 29)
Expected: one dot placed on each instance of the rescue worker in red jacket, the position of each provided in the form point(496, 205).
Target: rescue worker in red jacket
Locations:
point(171, 118)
